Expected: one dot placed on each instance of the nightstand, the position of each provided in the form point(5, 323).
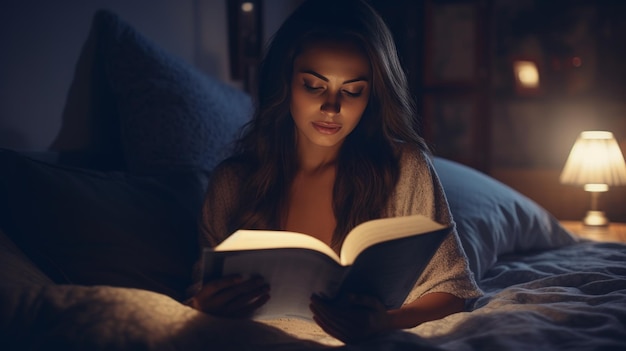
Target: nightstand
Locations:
point(614, 232)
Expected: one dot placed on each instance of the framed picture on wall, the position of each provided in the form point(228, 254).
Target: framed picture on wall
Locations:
point(245, 41)
point(453, 128)
point(451, 42)
point(456, 80)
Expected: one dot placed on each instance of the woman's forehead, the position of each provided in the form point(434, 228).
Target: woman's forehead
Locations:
point(333, 56)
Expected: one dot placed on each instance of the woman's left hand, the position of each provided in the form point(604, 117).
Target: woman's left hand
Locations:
point(351, 319)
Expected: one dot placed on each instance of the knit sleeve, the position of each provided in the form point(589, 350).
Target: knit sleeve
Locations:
point(419, 191)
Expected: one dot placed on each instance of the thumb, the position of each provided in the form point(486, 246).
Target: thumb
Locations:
point(364, 300)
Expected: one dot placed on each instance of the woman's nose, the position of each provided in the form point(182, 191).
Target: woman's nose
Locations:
point(332, 105)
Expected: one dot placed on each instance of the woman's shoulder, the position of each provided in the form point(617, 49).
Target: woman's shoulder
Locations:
point(233, 164)
point(412, 157)
point(224, 187)
point(230, 170)
point(415, 190)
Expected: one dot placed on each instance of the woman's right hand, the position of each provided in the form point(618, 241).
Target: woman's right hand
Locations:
point(231, 296)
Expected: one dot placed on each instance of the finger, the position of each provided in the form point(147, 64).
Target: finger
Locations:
point(247, 298)
point(331, 317)
point(239, 306)
point(325, 320)
point(329, 329)
point(246, 290)
point(217, 296)
point(352, 321)
point(237, 312)
point(248, 310)
point(327, 310)
point(214, 286)
point(364, 301)
point(341, 313)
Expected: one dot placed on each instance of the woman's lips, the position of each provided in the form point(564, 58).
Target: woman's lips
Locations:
point(327, 128)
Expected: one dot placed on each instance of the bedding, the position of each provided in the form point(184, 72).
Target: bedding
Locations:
point(84, 226)
point(571, 298)
point(96, 235)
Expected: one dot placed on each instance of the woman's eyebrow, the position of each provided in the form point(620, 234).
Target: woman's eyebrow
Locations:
point(312, 72)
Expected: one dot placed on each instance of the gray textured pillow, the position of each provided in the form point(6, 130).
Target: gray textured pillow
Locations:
point(98, 228)
point(493, 219)
point(134, 106)
point(17, 268)
point(171, 115)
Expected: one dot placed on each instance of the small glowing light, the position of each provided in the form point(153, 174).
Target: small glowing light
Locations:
point(596, 134)
point(577, 61)
point(527, 73)
point(247, 6)
point(595, 160)
point(599, 188)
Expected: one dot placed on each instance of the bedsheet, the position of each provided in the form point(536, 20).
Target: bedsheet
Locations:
point(571, 298)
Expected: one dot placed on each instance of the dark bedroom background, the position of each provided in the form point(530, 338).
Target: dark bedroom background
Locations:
point(459, 57)
point(460, 54)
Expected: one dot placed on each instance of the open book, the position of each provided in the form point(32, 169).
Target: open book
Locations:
point(381, 258)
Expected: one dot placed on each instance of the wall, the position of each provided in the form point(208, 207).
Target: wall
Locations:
point(579, 47)
point(40, 41)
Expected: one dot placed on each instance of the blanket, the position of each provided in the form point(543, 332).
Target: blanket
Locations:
point(571, 298)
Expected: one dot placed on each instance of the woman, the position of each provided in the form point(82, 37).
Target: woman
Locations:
point(333, 143)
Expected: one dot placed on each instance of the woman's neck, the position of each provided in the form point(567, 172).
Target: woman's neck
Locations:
point(317, 159)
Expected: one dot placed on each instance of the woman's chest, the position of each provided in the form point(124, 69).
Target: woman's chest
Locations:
point(310, 206)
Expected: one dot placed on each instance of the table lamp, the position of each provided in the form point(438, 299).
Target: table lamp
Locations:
point(596, 163)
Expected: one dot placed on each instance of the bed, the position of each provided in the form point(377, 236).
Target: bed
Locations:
point(97, 238)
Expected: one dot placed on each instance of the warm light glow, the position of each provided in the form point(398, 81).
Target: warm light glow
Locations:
point(526, 73)
point(596, 187)
point(596, 134)
point(577, 61)
point(247, 7)
point(595, 162)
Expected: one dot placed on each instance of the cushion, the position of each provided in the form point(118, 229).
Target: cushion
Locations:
point(493, 219)
point(17, 268)
point(90, 227)
point(160, 112)
point(105, 318)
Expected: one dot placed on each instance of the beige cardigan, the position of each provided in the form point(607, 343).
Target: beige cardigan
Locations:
point(418, 191)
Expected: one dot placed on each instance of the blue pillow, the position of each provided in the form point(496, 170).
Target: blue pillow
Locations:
point(493, 219)
point(148, 107)
point(99, 228)
point(171, 115)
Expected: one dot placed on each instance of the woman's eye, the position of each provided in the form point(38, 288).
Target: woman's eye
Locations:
point(311, 88)
point(353, 93)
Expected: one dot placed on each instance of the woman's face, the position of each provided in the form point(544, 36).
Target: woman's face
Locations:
point(329, 91)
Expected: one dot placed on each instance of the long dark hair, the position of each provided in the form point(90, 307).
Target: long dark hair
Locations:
point(368, 163)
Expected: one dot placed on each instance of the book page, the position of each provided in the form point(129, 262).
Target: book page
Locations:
point(389, 269)
point(270, 239)
point(384, 229)
point(292, 274)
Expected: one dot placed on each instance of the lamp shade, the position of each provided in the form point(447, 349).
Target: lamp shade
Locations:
point(595, 162)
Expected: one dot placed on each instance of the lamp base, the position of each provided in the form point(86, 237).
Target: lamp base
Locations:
point(595, 219)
